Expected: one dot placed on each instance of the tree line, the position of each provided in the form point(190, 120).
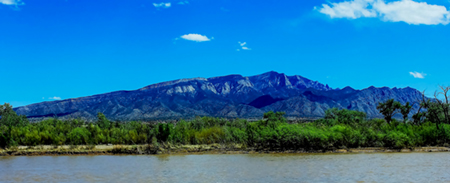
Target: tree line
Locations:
point(340, 128)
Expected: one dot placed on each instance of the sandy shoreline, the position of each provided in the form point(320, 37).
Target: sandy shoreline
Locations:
point(48, 150)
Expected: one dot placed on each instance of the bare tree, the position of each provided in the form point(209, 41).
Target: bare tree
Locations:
point(444, 103)
point(420, 115)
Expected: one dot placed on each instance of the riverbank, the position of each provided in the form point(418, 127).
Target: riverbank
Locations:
point(47, 150)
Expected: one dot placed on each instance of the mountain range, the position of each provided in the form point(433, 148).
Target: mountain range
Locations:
point(232, 96)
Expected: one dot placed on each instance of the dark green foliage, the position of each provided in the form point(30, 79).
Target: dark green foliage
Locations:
point(273, 120)
point(434, 112)
point(164, 131)
point(344, 116)
point(10, 118)
point(405, 110)
point(388, 109)
point(339, 129)
point(419, 117)
point(102, 121)
point(79, 136)
point(391, 107)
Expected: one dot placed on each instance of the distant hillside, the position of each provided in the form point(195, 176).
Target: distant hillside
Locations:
point(232, 96)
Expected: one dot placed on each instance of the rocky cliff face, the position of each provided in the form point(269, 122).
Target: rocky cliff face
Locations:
point(232, 96)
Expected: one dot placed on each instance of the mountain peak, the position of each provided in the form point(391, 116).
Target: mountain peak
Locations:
point(271, 79)
point(270, 74)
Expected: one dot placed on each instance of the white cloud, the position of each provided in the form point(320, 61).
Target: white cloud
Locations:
point(413, 12)
point(162, 5)
point(407, 11)
point(55, 98)
point(243, 47)
point(418, 75)
point(12, 2)
point(349, 9)
point(195, 37)
point(183, 2)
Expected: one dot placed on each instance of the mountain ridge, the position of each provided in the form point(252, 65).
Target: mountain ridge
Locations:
point(228, 96)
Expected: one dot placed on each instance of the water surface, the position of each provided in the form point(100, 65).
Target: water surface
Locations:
point(383, 167)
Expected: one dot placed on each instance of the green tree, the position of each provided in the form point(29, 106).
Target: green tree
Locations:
point(405, 110)
point(102, 122)
point(272, 119)
point(79, 136)
point(419, 117)
point(163, 132)
point(8, 120)
point(9, 117)
point(344, 116)
point(434, 113)
point(388, 109)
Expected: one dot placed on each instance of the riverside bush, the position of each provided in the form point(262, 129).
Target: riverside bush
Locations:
point(339, 129)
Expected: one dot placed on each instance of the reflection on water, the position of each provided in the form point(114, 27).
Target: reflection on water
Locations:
point(396, 167)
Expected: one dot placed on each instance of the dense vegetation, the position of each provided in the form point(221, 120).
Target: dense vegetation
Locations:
point(339, 129)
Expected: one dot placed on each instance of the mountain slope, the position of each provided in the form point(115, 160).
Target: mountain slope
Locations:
point(228, 96)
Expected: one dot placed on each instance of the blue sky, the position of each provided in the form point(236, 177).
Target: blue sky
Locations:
point(59, 49)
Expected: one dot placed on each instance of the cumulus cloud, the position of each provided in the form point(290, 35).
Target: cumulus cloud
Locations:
point(183, 2)
point(407, 11)
point(418, 75)
point(195, 37)
point(243, 47)
point(413, 12)
point(12, 2)
point(349, 9)
point(162, 5)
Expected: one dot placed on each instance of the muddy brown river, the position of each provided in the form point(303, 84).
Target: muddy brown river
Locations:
point(381, 167)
